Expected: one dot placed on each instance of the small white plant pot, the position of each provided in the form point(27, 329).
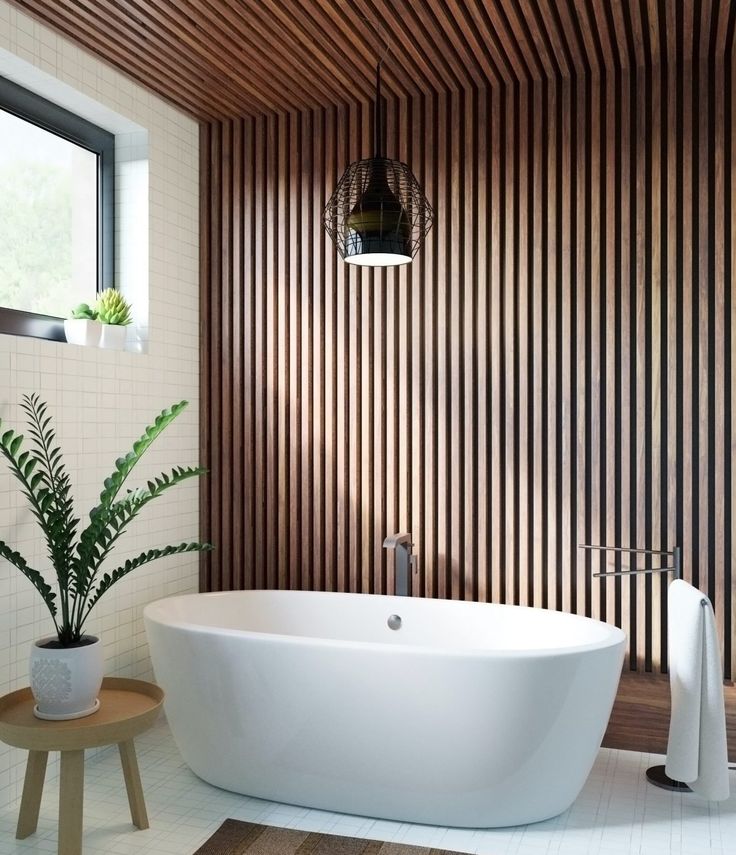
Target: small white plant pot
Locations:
point(65, 681)
point(113, 337)
point(82, 331)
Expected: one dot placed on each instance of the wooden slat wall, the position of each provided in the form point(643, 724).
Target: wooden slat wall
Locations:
point(555, 367)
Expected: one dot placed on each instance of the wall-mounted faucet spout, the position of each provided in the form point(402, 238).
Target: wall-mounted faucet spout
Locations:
point(404, 562)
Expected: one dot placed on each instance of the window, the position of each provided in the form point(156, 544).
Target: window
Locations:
point(56, 213)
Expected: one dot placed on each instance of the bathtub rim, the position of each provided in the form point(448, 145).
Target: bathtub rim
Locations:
point(615, 635)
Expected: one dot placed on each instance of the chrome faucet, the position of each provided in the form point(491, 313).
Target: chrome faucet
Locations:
point(404, 562)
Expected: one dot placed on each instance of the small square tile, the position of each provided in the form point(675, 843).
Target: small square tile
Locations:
point(185, 811)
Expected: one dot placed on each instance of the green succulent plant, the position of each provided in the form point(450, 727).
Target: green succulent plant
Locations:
point(83, 312)
point(113, 308)
point(77, 557)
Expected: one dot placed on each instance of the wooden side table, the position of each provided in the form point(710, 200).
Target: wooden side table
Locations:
point(127, 708)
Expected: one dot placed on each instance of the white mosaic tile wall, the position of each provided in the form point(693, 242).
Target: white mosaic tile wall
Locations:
point(102, 400)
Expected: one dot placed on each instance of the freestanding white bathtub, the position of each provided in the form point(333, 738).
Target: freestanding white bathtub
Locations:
point(469, 714)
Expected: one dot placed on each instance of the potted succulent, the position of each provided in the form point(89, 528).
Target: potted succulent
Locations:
point(82, 327)
point(113, 312)
point(66, 668)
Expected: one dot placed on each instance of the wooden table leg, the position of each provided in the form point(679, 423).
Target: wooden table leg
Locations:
point(30, 802)
point(71, 800)
point(133, 784)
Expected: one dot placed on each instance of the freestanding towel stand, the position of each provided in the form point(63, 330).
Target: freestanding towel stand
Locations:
point(655, 774)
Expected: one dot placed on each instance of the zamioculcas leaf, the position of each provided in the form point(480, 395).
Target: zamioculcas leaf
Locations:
point(109, 579)
point(76, 560)
point(33, 576)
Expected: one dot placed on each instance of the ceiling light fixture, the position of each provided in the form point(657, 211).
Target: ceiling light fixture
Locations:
point(378, 215)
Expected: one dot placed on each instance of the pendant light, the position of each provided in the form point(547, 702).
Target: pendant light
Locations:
point(378, 215)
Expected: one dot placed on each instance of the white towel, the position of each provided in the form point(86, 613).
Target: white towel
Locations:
point(697, 752)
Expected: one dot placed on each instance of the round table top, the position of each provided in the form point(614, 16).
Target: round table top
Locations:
point(127, 708)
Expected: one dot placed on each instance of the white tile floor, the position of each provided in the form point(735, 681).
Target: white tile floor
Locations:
point(617, 813)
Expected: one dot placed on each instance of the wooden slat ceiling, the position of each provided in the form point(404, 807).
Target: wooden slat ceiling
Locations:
point(221, 58)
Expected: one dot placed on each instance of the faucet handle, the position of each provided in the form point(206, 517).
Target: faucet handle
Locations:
point(398, 539)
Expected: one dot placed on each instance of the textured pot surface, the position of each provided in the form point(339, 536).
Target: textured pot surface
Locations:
point(65, 681)
point(82, 331)
point(113, 336)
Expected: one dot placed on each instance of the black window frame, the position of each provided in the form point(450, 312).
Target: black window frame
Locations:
point(51, 117)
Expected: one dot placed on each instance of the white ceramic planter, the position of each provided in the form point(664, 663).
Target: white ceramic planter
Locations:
point(65, 681)
point(82, 331)
point(113, 337)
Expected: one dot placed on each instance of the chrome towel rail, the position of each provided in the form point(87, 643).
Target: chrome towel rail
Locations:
point(675, 554)
point(655, 774)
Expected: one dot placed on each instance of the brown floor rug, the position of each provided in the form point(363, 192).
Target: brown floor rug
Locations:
point(238, 838)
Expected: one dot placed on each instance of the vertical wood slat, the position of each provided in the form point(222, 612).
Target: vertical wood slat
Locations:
point(439, 346)
point(640, 294)
point(508, 484)
point(569, 348)
point(260, 336)
point(238, 336)
point(670, 288)
point(281, 284)
point(536, 325)
point(225, 369)
point(207, 501)
point(550, 391)
point(730, 350)
point(556, 364)
point(623, 428)
point(269, 314)
point(467, 536)
point(483, 265)
point(416, 509)
point(340, 362)
point(717, 365)
point(493, 355)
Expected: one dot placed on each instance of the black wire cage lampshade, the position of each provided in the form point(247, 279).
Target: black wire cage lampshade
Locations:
point(378, 215)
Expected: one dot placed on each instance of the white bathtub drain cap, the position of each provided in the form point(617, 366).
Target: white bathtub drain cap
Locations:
point(394, 622)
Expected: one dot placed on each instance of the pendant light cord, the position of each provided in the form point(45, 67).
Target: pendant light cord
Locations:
point(378, 140)
point(378, 116)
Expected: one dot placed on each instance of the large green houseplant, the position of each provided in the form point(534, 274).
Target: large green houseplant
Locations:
point(66, 668)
